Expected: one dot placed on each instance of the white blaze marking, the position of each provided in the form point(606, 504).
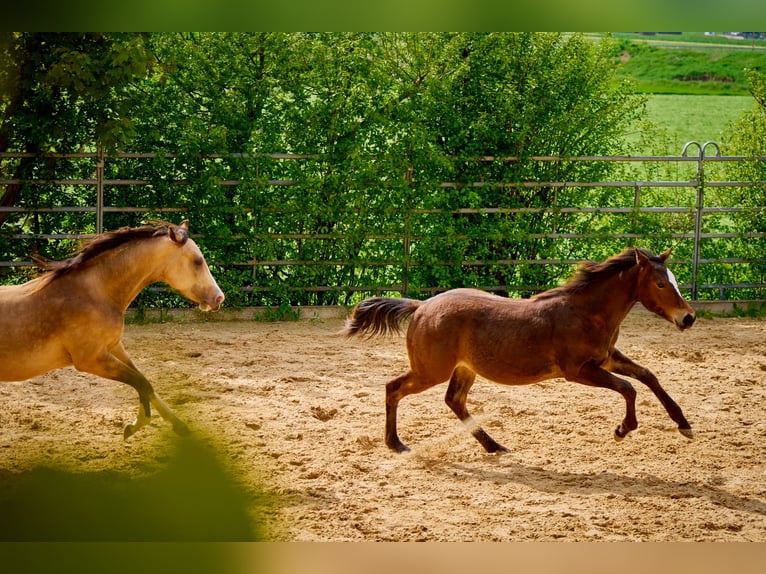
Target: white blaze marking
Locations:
point(673, 282)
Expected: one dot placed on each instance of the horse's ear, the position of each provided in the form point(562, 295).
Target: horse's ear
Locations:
point(180, 234)
point(641, 259)
point(665, 254)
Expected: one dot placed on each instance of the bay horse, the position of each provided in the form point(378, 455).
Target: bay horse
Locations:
point(567, 332)
point(74, 314)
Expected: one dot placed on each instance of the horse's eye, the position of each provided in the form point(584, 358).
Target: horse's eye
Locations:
point(661, 284)
point(198, 261)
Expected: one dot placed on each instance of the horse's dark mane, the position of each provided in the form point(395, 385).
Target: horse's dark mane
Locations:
point(102, 244)
point(591, 272)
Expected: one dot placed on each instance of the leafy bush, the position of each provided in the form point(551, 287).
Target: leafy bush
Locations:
point(416, 168)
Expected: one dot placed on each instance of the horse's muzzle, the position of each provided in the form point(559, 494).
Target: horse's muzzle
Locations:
point(686, 321)
point(215, 305)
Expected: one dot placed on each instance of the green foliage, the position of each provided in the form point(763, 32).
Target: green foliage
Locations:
point(751, 312)
point(189, 497)
point(746, 138)
point(63, 90)
point(60, 92)
point(283, 312)
point(417, 172)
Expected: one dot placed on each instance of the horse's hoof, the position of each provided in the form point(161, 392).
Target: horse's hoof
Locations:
point(399, 448)
point(498, 450)
point(688, 433)
point(618, 436)
point(128, 432)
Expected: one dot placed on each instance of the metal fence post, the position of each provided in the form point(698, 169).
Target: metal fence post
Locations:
point(100, 189)
point(699, 208)
point(634, 215)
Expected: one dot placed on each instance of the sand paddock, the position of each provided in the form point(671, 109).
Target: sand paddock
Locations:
point(293, 412)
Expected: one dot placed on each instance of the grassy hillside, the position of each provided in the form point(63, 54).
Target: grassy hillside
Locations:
point(672, 66)
point(696, 82)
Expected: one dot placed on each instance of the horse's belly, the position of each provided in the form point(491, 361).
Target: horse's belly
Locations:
point(23, 357)
point(15, 369)
point(516, 374)
point(513, 361)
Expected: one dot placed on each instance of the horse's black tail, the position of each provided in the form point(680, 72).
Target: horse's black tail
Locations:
point(379, 316)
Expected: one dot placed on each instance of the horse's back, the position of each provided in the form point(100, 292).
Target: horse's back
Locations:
point(473, 305)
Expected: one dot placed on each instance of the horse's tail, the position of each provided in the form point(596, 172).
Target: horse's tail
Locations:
point(379, 316)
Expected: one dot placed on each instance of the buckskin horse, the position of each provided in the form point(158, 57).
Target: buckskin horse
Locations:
point(74, 314)
point(567, 332)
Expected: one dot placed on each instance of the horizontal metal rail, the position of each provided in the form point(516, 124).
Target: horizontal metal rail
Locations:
point(698, 210)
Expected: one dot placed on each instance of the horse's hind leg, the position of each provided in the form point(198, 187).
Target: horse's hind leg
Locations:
point(461, 382)
point(109, 367)
point(167, 413)
point(396, 389)
point(622, 365)
point(149, 395)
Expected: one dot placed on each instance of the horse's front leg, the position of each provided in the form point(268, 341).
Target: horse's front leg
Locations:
point(595, 376)
point(165, 411)
point(619, 363)
point(109, 366)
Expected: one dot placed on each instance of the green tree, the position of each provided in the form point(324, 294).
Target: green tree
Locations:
point(349, 101)
point(746, 138)
point(521, 95)
point(61, 92)
point(381, 121)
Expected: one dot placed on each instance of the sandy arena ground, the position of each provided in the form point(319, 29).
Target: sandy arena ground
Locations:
point(296, 412)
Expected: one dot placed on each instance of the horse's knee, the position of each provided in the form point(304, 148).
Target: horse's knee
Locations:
point(394, 390)
point(629, 392)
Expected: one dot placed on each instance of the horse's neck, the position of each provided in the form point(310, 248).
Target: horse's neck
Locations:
point(614, 298)
point(123, 273)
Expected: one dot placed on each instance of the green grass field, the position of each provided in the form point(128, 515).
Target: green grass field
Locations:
point(696, 118)
point(696, 83)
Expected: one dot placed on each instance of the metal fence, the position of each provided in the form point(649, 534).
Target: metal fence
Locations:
point(699, 155)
